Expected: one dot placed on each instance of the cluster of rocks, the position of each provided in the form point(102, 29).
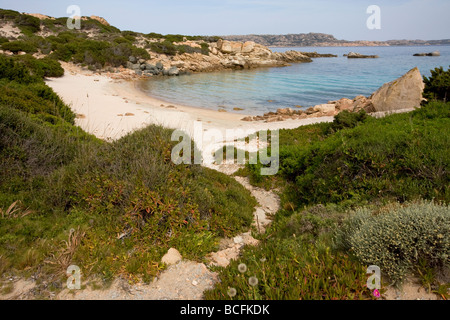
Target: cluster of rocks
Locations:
point(404, 93)
point(430, 54)
point(249, 54)
point(354, 55)
point(329, 109)
point(232, 55)
point(142, 67)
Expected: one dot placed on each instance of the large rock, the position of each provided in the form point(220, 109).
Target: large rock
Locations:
point(159, 66)
point(291, 56)
point(174, 71)
point(360, 103)
point(403, 93)
point(354, 55)
point(344, 104)
point(101, 20)
point(325, 109)
point(431, 54)
point(226, 46)
point(248, 47)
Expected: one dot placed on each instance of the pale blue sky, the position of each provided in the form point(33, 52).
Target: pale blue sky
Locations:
point(400, 19)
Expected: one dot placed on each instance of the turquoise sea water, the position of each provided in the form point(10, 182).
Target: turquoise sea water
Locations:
point(306, 84)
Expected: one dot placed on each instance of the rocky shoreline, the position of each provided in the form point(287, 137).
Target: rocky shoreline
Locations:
point(404, 93)
point(223, 55)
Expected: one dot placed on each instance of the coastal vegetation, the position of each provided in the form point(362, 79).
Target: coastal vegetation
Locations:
point(114, 208)
point(96, 45)
point(356, 192)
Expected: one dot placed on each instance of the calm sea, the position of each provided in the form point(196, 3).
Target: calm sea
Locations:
point(306, 84)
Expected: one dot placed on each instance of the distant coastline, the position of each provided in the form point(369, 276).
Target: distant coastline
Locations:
point(326, 40)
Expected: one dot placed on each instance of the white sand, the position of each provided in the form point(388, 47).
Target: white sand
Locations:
point(104, 102)
point(102, 99)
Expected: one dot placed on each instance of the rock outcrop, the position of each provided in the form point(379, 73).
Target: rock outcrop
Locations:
point(250, 55)
point(403, 93)
point(430, 54)
point(223, 55)
point(101, 20)
point(354, 55)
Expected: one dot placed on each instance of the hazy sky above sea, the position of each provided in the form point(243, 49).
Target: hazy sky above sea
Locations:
point(345, 19)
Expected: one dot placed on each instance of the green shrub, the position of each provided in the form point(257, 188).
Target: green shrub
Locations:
point(8, 14)
point(287, 269)
point(31, 145)
point(35, 98)
point(174, 37)
point(153, 35)
point(347, 119)
point(95, 53)
point(398, 157)
point(45, 67)
point(437, 86)
point(165, 47)
point(129, 36)
point(28, 24)
point(14, 71)
point(29, 93)
point(121, 40)
point(93, 24)
point(205, 49)
point(396, 239)
point(3, 40)
point(16, 46)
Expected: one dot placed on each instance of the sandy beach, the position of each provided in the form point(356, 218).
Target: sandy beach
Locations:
point(111, 108)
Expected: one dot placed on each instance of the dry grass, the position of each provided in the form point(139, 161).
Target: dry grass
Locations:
point(63, 259)
point(15, 211)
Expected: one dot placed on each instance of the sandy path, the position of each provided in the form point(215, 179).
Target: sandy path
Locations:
point(187, 280)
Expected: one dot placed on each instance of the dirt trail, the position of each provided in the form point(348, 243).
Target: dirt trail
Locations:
point(187, 280)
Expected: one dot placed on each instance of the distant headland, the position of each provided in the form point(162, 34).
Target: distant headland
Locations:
point(325, 40)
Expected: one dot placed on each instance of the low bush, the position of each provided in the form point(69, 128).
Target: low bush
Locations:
point(18, 45)
point(397, 238)
point(399, 157)
point(347, 119)
point(165, 47)
point(45, 67)
point(98, 53)
point(11, 70)
point(127, 201)
point(294, 261)
point(437, 86)
point(28, 24)
point(29, 93)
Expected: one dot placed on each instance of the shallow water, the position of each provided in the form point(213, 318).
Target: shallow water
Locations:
point(305, 84)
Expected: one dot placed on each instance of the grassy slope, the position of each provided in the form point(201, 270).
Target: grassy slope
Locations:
point(326, 170)
point(84, 192)
point(95, 45)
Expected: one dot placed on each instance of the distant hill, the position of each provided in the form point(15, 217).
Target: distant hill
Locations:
point(324, 40)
